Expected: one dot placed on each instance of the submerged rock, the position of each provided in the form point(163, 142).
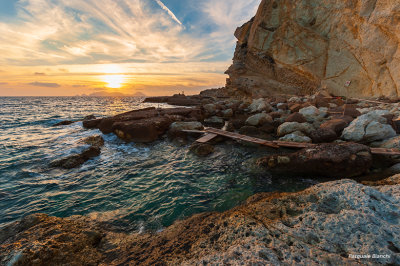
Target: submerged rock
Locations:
point(324, 160)
point(76, 160)
point(64, 123)
point(202, 149)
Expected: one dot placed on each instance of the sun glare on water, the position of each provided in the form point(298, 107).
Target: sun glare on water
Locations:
point(114, 81)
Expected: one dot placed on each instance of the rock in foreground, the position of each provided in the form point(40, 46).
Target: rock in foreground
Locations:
point(325, 224)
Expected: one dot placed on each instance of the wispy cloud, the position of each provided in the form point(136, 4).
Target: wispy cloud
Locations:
point(170, 13)
point(44, 84)
point(39, 74)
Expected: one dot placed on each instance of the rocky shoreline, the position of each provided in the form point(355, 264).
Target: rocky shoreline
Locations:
point(325, 224)
point(330, 223)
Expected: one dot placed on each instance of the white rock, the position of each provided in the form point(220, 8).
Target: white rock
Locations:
point(290, 127)
point(312, 113)
point(356, 131)
point(259, 105)
point(259, 119)
point(376, 131)
point(296, 136)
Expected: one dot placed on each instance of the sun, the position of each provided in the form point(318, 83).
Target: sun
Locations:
point(114, 81)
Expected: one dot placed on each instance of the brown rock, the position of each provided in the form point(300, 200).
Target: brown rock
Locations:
point(295, 107)
point(323, 135)
point(329, 160)
point(63, 123)
point(76, 160)
point(337, 125)
point(202, 149)
point(142, 131)
point(296, 117)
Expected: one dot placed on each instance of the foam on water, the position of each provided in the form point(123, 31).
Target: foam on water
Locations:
point(132, 186)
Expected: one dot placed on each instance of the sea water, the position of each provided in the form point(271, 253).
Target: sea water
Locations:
point(133, 187)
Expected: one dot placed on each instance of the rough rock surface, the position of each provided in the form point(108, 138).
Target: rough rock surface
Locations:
point(290, 46)
point(323, 160)
point(145, 125)
point(323, 225)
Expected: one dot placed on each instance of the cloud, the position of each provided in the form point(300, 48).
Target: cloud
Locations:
point(3, 83)
point(79, 86)
point(44, 84)
point(39, 74)
point(170, 13)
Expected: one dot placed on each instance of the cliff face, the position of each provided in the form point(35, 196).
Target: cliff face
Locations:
point(297, 46)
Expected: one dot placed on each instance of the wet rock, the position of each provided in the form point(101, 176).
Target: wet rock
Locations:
point(296, 117)
point(96, 141)
point(175, 129)
point(202, 149)
point(210, 109)
point(259, 119)
point(290, 127)
point(323, 135)
point(329, 160)
point(296, 136)
point(89, 117)
point(337, 125)
point(77, 160)
point(142, 131)
point(90, 124)
point(227, 113)
point(259, 105)
point(64, 123)
point(313, 114)
point(214, 121)
point(392, 143)
point(368, 127)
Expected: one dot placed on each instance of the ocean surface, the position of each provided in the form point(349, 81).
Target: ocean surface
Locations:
point(130, 186)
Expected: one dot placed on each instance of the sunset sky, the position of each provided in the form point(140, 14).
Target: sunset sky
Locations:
point(71, 47)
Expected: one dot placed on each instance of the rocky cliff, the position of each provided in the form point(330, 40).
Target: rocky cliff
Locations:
point(297, 46)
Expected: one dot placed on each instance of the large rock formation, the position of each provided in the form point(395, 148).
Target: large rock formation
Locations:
point(296, 46)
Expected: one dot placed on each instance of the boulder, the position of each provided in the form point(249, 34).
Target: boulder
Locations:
point(323, 135)
point(392, 143)
point(296, 117)
point(175, 129)
point(202, 149)
point(214, 121)
point(259, 119)
point(96, 141)
point(142, 131)
point(337, 125)
point(313, 114)
point(76, 160)
point(64, 123)
point(296, 136)
point(323, 160)
point(210, 109)
point(259, 105)
point(89, 117)
point(290, 127)
point(368, 127)
point(227, 113)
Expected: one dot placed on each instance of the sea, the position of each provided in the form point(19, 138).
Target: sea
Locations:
point(132, 187)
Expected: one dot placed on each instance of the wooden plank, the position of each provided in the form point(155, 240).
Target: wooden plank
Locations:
point(242, 137)
point(194, 131)
point(276, 144)
point(206, 138)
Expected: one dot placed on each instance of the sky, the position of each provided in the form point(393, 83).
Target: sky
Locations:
point(154, 47)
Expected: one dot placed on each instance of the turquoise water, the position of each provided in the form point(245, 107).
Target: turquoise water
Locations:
point(134, 187)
